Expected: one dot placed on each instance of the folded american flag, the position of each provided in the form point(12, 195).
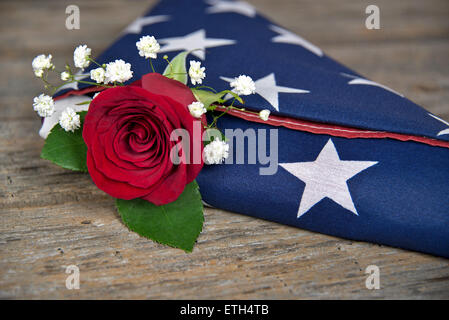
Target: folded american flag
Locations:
point(356, 159)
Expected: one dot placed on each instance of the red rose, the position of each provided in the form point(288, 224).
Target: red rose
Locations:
point(127, 131)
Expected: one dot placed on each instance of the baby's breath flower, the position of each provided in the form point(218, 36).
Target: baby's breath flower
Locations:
point(69, 120)
point(264, 114)
point(39, 73)
point(81, 56)
point(118, 71)
point(41, 63)
point(65, 76)
point(97, 75)
point(215, 152)
point(197, 109)
point(196, 72)
point(148, 47)
point(44, 105)
point(243, 85)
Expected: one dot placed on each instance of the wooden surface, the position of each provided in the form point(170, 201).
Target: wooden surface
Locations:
point(52, 218)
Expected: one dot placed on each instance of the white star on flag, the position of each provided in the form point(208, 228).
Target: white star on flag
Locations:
point(362, 81)
point(445, 131)
point(137, 25)
point(326, 177)
point(286, 36)
point(267, 88)
point(193, 41)
point(240, 7)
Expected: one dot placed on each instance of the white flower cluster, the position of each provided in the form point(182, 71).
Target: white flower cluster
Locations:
point(197, 109)
point(81, 56)
point(243, 85)
point(42, 63)
point(264, 114)
point(215, 152)
point(44, 105)
point(69, 120)
point(148, 47)
point(196, 72)
point(65, 76)
point(117, 71)
point(98, 75)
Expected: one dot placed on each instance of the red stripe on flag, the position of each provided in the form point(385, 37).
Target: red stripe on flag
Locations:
point(79, 92)
point(333, 130)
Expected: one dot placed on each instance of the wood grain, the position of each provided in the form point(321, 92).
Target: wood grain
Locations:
point(52, 218)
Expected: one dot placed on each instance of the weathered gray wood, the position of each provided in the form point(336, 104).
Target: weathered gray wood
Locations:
point(52, 218)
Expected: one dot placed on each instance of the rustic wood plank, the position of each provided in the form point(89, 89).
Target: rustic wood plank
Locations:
point(52, 218)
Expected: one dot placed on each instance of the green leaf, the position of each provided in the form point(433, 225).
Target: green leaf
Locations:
point(176, 224)
point(207, 97)
point(83, 103)
point(235, 95)
point(177, 68)
point(66, 149)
